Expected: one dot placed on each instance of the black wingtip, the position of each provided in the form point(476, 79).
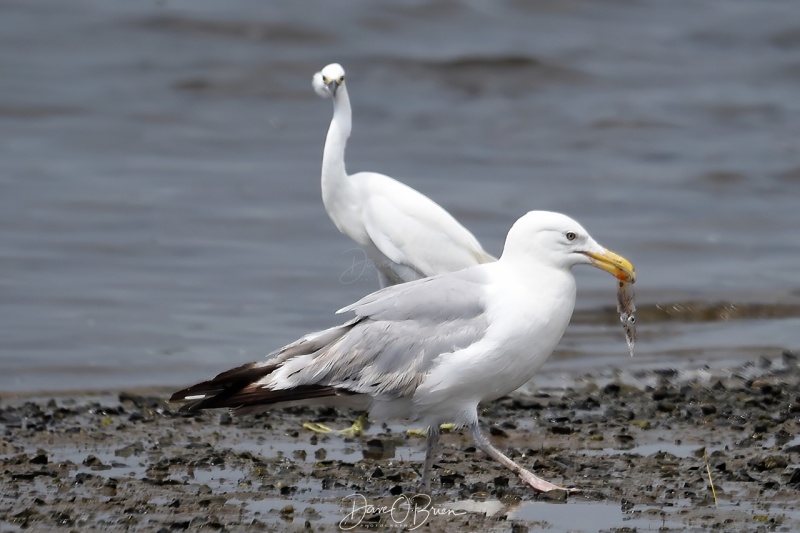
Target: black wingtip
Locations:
point(206, 394)
point(238, 389)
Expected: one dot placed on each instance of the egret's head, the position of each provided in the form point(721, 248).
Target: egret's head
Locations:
point(558, 240)
point(327, 81)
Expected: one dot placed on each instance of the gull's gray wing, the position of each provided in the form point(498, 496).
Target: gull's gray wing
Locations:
point(401, 331)
point(440, 298)
point(384, 352)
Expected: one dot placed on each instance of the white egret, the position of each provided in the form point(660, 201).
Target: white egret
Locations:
point(405, 234)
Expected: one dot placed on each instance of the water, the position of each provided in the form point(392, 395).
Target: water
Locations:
point(160, 213)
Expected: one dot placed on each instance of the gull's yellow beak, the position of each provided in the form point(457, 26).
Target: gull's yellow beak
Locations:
point(621, 268)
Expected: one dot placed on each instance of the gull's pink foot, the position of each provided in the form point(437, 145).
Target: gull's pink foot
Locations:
point(540, 485)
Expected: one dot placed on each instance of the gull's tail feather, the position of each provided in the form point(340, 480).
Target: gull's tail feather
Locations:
point(239, 389)
point(243, 389)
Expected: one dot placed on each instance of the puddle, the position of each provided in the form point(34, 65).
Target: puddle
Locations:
point(335, 448)
point(592, 516)
point(224, 478)
point(678, 450)
point(276, 510)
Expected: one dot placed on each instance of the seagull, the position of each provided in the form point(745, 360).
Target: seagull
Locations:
point(434, 349)
point(405, 234)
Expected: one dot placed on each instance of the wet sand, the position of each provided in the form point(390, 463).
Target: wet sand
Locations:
point(634, 442)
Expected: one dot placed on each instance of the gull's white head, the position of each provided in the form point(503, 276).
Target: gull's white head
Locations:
point(559, 241)
point(327, 81)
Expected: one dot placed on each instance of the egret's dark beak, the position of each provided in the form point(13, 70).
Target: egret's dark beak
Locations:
point(333, 86)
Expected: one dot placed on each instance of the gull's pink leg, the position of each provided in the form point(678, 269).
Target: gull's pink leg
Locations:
point(538, 484)
point(430, 448)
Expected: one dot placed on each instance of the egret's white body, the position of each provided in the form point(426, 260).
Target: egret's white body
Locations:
point(404, 233)
point(433, 349)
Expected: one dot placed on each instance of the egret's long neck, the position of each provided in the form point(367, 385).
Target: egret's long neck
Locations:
point(334, 175)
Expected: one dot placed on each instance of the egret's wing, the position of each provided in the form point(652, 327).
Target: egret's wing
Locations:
point(414, 231)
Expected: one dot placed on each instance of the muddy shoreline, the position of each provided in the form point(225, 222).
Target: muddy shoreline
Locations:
point(635, 443)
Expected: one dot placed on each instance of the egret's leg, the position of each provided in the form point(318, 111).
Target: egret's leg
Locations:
point(538, 484)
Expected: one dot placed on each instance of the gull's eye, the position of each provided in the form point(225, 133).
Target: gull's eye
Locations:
point(571, 235)
point(325, 79)
point(341, 80)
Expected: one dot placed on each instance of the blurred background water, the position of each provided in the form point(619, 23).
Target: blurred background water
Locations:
point(160, 211)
